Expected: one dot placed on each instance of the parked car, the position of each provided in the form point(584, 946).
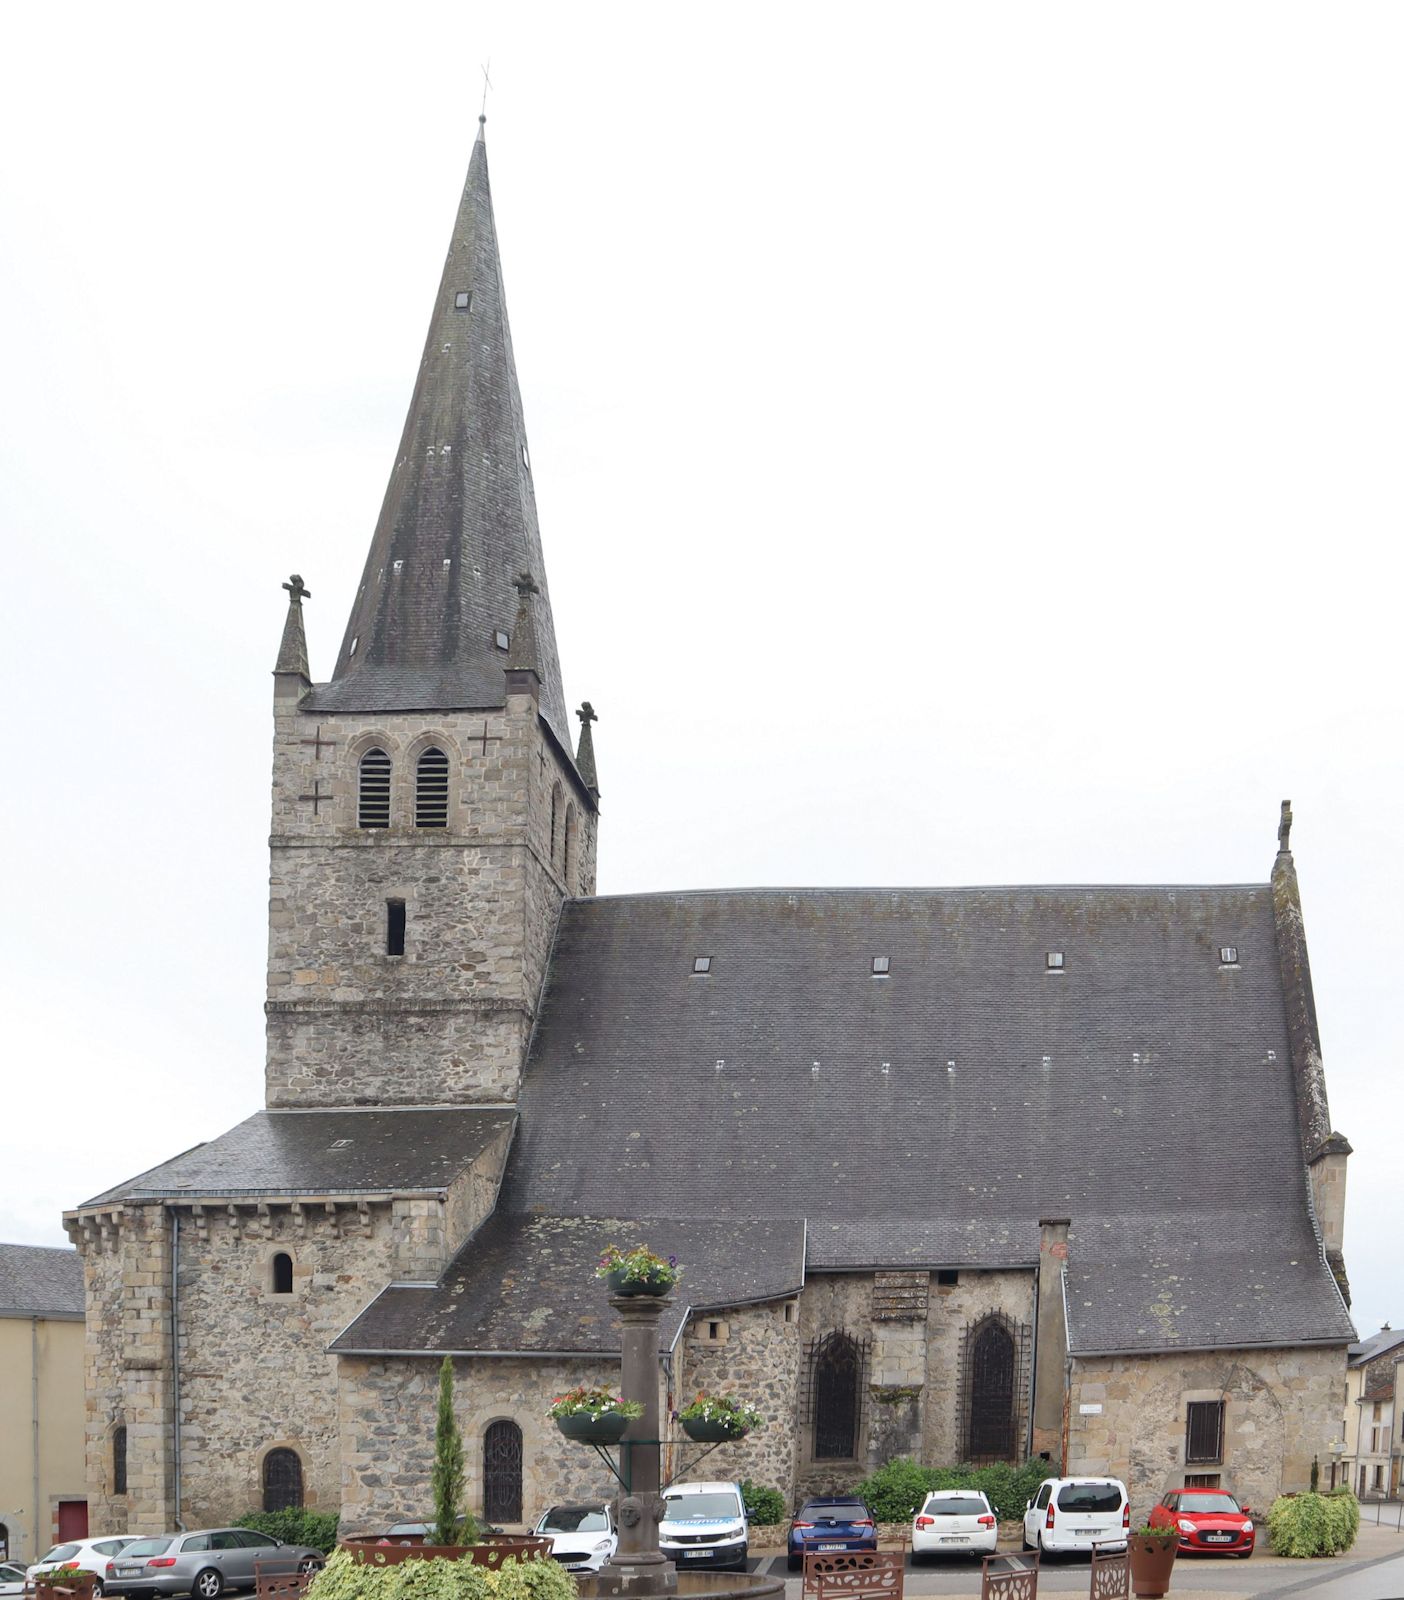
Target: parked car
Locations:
point(83, 1555)
point(1207, 1519)
point(418, 1532)
point(704, 1525)
point(830, 1522)
point(205, 1562)
point(1078, 1514)
point(954, 1522)
point(11, 1579)
point(583, 1537)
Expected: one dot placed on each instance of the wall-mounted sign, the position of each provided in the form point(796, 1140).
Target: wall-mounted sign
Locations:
point(1090, 1411)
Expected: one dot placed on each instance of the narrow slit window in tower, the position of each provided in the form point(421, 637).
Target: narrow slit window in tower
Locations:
point(373, 800)
point(431, 790)
point(394, 927)
point(282, 1273)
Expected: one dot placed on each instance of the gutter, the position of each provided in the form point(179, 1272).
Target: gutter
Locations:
point(1210, 1349)
point(175, 1364)
point(34, 1412)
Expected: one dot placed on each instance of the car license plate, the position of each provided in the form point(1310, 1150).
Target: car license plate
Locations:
point(692, 1555)
point(955, 1538)
point(831, 1547)
point(129, 1572)
point(1219, 1538)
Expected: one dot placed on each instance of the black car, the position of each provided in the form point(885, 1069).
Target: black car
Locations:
point(829, 1523)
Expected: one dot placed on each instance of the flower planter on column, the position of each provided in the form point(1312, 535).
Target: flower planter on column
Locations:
point(1152, 1557)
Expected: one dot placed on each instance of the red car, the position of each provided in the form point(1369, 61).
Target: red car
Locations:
point(1208, 1520)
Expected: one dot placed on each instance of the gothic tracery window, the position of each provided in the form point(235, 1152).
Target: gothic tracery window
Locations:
point(502, 1472)
point(990, 1424)
point(836, 1374)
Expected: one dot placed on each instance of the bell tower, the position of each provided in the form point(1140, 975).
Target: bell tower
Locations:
point(429, 812)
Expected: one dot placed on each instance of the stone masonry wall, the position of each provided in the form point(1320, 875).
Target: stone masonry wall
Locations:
point(446, 1022)
point(386, 1419)
point(1127, 1417)
point(756, 1360)
point(954, 1309)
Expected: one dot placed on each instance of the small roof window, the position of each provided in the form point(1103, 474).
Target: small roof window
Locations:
point(1055, 960)
point(1228, 955)
point(882, 965)
point(701, 963)
point(502, 639)
point(462, 300)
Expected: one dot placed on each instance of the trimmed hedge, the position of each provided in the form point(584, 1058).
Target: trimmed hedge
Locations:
point(1314, 1524)
point(895, 1491)
point(767, 1505)
point(315, 1528)
point(343, 1578)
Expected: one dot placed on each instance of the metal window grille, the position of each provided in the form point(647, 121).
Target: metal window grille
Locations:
point(835, 1373)
point(282, 1481)
point(373, 808)
point(431, 791)
point(993, 1387)
point(119, 1459)
point(502, 1472)
point(1204, 1430)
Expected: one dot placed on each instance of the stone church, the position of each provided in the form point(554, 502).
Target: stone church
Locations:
point(963, 1174)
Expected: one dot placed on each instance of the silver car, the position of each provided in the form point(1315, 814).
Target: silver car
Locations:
point(206, 1562)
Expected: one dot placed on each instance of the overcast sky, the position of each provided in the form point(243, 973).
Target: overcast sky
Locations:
point(966, 440)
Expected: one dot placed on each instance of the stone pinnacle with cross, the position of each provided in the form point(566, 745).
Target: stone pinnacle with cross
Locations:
point(297, 590)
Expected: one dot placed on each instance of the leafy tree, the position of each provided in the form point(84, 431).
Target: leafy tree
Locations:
point(448, 1463)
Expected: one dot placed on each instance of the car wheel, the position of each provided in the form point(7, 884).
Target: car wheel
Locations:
point(98, 1590)
point(309, 1564)
point(208, 1585)
point(794, 1563)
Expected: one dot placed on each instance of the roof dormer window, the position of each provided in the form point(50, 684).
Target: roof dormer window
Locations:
point(463, 300)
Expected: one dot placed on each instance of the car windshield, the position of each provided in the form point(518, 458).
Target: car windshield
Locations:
point(410, 1527)
point(1089, 1497)
point(145, 1547)
point(575, 1519)
point(1222, 1502)
point(954, 1505)
point(720, 1507)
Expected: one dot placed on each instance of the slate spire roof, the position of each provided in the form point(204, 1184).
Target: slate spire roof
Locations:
point(459, 518)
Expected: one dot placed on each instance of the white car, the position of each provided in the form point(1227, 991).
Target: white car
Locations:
point(1078, 1514)
point(954, 1522)
point(704, 1525)
point(582, 1535)
point(83, 1555)
point(11, 1579)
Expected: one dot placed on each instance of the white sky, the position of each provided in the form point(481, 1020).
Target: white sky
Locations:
point(967, 444)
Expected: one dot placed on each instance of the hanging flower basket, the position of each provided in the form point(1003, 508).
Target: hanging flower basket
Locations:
point(608, 1429)
point(713, 1418)
point(593, 1416)
point(705, 1432)
point(637, 1271)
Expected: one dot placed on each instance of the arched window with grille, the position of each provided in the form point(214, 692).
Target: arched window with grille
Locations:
point(431, 790)
point(282, 1480)
point(119, 1459)
point(502, 1472)
point(373, 790)
point(990, 1419)
point(571, 850)
point(836, 1372)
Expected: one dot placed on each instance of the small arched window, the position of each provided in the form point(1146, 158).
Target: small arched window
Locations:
point(570, 849)
point(373, 796)
point(556, 825)
point(282, 1481)
point(431, 790)
point(119, 1459)
point(282, 1273)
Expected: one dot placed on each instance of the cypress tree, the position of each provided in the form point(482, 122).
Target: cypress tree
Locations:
point(448, 1465)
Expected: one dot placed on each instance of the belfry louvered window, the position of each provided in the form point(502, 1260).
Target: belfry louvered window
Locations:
point(431, 790)
point(373, 798)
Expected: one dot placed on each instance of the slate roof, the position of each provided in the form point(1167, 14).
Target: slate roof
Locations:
point(526, 1284)
point(325, 1152)
point(928, 1118)
point(38, 1281)
point(1363, 1351)
point(458, 522)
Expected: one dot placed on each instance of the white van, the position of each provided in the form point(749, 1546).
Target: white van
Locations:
point(704, 1525)
point(1078, 1514)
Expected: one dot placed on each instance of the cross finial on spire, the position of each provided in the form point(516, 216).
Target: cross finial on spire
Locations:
point(487, 84)
point(297, 590)
point(586, 712)
point(525, 585)
point(1284, 829)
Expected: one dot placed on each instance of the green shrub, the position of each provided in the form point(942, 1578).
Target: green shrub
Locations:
point(315, 1528)
point(1313, 1524)
point(893, 1492)
point(767, 1505)
point(343, 1578)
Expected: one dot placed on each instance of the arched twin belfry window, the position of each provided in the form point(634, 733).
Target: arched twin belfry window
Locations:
point(431, 789)
point(373, 792)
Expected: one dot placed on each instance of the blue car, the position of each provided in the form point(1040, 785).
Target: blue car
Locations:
point(828, 1524)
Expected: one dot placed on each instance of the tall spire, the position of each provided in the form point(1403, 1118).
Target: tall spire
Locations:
point(292, 650)
point(431, 624)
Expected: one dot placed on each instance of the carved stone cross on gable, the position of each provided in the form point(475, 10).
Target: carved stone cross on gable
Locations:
point(316, 797)
point(319, 743)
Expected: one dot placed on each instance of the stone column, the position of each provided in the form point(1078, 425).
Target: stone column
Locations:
point(1050, 1341)
point(639, 1567)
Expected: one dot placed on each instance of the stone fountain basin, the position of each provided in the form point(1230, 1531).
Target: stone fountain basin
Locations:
point(702, 1585)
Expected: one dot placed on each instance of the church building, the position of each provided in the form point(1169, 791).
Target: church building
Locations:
point(961, 1174)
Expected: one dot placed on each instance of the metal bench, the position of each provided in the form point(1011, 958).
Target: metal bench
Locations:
point(1111, 1576)
point(854, 1575)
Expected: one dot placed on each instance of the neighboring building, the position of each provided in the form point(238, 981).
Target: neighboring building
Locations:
point(959, 1173)
point(43, 1494)
point(1370, 1461)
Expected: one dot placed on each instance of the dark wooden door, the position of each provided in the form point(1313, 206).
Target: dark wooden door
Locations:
point(72, 1520)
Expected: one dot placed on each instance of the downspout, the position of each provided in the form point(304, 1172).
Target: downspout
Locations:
point(34, 1412)
point(1033, 1375)
point(175, 1363)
